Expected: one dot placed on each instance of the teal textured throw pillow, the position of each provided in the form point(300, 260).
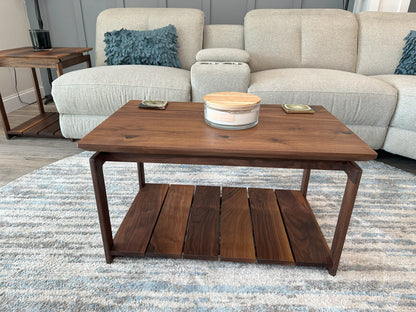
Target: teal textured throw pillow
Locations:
point(407, 64)
point(149, 47)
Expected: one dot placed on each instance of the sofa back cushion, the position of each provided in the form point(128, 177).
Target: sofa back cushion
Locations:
point(324, 38)
point(223, 36)
point(189, 24)
point(381, 40)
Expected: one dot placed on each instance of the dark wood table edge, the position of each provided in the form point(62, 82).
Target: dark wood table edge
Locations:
point(352, 170)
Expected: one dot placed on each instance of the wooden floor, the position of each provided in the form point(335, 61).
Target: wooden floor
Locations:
point(19, 156)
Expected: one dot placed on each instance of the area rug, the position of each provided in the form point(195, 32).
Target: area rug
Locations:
point(52, 259)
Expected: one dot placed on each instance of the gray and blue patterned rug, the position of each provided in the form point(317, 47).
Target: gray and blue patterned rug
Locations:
point(51, 255)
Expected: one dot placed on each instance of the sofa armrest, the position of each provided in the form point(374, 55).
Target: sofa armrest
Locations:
point(222, 55)
point(208, 77)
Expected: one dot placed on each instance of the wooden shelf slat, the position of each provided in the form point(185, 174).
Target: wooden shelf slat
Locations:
point(169, 234)
point(51, 130)
point(202, 239)
point(43, 125)
point(272, 244)
point(35, 129)
point(309, 246)
point(134, 232)
point(30, 123)
point(236, 242)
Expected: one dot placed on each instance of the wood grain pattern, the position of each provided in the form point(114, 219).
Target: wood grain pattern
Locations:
point(305, 181)
point(5, 121)
point(202, 239)
point(308, 244)
point(344, 217)
point(54, 53)
point(134, 232)
point(31, 122)
point(236, 232)
point(169, 234)
point(44, 123)
point(272, 244)
point(96, 165)
point(37, 90)
point(140, 173)
point(53, 130)
point(231, 100)
point(295, 136)
point(229, 161)
point(74, 61)
point(46, 62)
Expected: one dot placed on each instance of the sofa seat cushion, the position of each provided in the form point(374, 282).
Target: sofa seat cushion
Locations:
point(405, 113)
point(102, 90)
point(401, 136)
point(364, 104)
point(77, 126)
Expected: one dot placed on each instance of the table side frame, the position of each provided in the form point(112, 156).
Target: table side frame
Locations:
point(352, 170)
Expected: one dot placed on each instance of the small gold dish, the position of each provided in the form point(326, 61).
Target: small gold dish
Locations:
point(153, 104)
point(297, 109)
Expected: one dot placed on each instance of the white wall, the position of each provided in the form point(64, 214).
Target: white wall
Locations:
point(381, 5)
point(14, 33)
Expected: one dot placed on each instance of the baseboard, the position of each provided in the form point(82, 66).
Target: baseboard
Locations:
point(12, 102)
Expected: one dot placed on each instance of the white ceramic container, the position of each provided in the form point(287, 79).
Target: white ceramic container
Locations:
point(231, 110)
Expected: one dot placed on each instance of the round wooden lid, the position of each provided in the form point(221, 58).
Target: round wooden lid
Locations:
point(231, 100)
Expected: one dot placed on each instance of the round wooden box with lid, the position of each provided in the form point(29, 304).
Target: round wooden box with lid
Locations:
point(231, 110)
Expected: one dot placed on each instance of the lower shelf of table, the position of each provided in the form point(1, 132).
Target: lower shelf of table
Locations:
point(44, 125)
point(214, 223)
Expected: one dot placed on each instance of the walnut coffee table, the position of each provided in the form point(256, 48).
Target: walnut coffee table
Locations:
point(228, 223)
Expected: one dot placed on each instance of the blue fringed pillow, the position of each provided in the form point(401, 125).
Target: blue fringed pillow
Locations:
point(407, 64)
point(149, 47)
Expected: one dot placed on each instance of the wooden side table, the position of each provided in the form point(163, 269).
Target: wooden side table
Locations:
point(45, 124)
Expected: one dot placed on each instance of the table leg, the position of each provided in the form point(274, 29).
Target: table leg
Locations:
point(96, 164)
point(353, 172)
point(140, 170)
point(5, 120)
point(59, 69)
point(37, 91)
point(305, 181)
point(88, 61)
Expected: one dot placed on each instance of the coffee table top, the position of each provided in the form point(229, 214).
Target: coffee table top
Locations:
point(180, 130)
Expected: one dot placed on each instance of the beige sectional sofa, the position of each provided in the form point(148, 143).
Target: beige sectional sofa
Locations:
point(328, 57)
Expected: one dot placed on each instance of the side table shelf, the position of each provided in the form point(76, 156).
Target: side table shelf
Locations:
point(45, 124)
